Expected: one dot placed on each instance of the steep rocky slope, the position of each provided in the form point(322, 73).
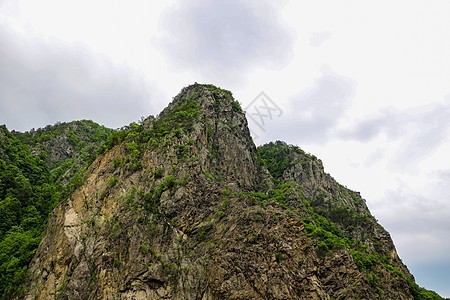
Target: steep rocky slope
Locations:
point(184, 206)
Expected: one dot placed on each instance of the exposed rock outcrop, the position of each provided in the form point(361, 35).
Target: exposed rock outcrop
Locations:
point(183, 207)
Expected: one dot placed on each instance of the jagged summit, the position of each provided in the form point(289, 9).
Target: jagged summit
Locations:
point(207, 122)
point(207, 96)
point(184, 206)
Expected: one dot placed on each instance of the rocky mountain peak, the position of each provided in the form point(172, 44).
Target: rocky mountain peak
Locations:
point(207, 122)
point(215, 101)
point(184, 206)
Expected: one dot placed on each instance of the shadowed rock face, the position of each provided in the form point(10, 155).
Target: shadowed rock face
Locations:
point(184, 207)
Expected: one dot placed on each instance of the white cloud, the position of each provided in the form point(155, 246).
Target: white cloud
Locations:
point(420, 130)
point(312, 115)
point(221, 41)
point(418, 219)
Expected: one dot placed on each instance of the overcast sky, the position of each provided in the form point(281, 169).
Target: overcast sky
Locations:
point(363, 86)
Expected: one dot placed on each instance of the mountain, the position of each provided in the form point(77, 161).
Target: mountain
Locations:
point(184, 206)
point(35, 169)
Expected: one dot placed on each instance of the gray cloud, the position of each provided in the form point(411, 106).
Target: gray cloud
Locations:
point(419, 222)
point(422, 130)
point(384, 121)
point(223, 40)
point(45, 81)
point(311, 116)
point(317, 39)
point(431, 126)
point(374, 157)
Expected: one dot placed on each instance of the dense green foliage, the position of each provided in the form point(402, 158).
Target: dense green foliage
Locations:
point(79, 139)
point(277, 158)
point(27, 196)
point(31, 186)
point(80, 133)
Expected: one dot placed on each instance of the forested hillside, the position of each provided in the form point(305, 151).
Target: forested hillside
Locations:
point(35, 168)
point(27, 194)
point(66, 147)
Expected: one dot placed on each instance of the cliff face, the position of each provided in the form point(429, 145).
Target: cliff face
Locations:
point(183, 206)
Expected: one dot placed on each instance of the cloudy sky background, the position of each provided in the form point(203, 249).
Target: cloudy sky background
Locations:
point(363, 86)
